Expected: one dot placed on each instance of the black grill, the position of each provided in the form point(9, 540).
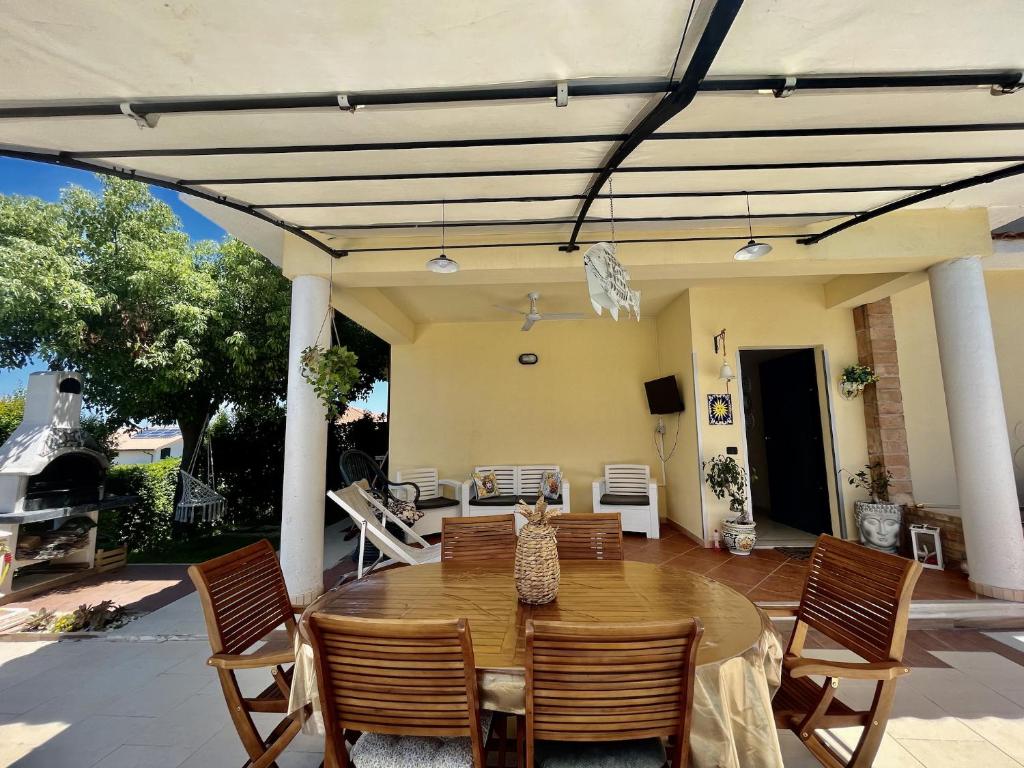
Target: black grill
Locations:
point(69, 480)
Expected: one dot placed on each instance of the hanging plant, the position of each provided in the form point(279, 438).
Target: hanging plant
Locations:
point(331, 372)
point(854, 378)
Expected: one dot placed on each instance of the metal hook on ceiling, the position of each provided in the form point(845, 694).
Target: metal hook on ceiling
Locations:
point(143, 121)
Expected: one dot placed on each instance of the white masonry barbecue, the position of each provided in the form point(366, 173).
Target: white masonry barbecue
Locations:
point(51, 474)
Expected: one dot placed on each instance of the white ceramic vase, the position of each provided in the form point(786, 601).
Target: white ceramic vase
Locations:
point(739, 538)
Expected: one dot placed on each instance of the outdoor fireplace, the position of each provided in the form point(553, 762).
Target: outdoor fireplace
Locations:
point(52, 478)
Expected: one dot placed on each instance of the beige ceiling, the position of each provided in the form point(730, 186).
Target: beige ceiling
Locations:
point(475, 303)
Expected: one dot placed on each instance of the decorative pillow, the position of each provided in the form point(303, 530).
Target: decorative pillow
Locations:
point(404, 510)
point(551, 484)
point(486, 485)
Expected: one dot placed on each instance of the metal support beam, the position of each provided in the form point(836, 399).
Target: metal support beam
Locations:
point(618, 196)
point(590, 171)
point(938, 191)
point(1000, 79)
point(548, 244)
point(713, 35)
point(591, 221)
point(68, 161)
point(523, 141)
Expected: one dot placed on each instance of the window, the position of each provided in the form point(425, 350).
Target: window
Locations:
point(165, 453)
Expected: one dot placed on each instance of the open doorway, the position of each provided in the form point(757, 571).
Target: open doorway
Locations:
point(785, 446)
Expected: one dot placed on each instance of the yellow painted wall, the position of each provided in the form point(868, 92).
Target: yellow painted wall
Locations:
point(460, 398)
point(761, 315)
point(931, 455)
point(682, 493)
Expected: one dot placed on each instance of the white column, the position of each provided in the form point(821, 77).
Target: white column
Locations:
point(977, 425)
point(305, 447)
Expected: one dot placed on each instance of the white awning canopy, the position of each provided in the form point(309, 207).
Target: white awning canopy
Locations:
point(455, 101)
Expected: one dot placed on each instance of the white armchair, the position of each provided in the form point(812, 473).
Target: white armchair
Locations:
point(438, 498)
point(628, 490)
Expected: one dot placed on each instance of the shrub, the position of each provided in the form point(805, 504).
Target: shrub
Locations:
point(147, 524)
point(12, 408)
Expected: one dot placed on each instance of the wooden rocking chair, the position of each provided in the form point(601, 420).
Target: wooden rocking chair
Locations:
point(859, 598)
point(244, 600)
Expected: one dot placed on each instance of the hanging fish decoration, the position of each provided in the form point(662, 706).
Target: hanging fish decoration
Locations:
point(608, 281)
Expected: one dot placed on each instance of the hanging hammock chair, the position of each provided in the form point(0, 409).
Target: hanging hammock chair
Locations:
point(199, 501)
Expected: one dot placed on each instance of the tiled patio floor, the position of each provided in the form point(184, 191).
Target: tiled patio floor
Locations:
point(142, 696)
point(765, 574)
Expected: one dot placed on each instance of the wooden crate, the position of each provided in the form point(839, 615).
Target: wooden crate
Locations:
point(111, 559)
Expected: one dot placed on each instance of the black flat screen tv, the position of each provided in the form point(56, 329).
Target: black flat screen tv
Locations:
point(663, 396)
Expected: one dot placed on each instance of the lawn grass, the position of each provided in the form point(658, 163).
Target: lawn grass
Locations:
point(204, 548)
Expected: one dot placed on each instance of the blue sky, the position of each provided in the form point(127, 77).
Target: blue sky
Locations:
point(21, 177)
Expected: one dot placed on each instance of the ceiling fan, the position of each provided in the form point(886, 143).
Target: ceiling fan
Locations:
point(534, 314)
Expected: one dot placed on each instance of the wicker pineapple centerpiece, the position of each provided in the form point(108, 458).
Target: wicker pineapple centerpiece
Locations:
point(536, 570)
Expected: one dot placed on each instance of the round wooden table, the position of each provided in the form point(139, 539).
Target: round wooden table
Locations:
point(602, 590)
point(738, 664)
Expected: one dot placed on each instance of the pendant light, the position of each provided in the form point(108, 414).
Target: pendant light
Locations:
point(752, 250)
point(442, 264)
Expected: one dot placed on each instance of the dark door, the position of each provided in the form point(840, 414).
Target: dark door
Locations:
point(794, 447)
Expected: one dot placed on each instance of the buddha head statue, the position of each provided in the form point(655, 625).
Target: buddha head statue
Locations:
point(879, 526)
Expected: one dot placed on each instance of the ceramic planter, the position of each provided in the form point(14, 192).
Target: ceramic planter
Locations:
point(879, 525)
point(739, 538)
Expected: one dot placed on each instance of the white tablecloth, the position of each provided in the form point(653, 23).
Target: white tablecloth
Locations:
point(733, 725)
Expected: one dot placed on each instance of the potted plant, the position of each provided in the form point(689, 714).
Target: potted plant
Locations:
point(331, 372)
point(853, 380)
point(878, 520)
point(726, 477)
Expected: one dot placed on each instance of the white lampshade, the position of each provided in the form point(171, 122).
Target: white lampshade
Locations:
point(725, 372)
point(752, 250)
point(443, 265)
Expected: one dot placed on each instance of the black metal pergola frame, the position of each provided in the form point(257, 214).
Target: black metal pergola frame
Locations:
point(678, 95)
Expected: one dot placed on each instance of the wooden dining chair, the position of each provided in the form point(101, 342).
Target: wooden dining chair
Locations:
point(609, 691)
point(244, 601)
point(489, 537)
point(859, 598)
point(403, 684)
point(589, 536)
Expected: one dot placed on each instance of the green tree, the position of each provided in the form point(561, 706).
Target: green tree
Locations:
point(160, 328)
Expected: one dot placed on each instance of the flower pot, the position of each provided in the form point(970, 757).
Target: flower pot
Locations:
point(879, 525)
point(739, 538)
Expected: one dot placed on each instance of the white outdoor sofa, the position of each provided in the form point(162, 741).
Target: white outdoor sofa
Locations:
point(628, 490)
point(433, 502)
point(515, 483)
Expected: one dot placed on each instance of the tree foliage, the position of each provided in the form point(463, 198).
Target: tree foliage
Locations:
point(160, 328)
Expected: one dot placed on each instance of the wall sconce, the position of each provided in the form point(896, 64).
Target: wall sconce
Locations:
point(725, 372)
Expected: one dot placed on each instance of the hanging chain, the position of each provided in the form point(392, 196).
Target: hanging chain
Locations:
point(330, 310)
point(750, 227)
point(611, 207)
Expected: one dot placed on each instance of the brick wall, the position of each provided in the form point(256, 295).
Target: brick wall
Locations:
point(883, 401)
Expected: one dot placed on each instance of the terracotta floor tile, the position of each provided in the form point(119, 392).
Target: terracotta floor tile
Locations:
point(738, 573)
point(779, 585)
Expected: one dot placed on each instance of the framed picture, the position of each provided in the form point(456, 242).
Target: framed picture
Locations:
point(720, 409)
point(927, 546)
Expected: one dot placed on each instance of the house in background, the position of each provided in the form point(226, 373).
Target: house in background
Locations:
point(148, 445)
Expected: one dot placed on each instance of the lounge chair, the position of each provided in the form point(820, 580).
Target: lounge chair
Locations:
point(364, 511)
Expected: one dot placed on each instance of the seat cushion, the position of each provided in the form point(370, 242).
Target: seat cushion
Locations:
point(438, 502)
point(378, 750)
point(508, 500)
point(502, 500)
point(626, 499)
point(638, 753)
